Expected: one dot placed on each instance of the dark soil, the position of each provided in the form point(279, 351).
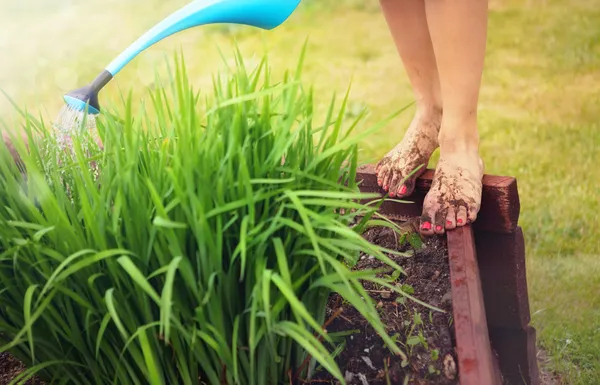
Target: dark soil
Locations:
point(431, 357)
point(10, 367)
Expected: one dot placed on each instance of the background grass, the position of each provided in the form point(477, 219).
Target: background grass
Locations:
point(539, 114)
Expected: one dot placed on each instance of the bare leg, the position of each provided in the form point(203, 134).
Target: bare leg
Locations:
point(458, 31)
point(408, 24)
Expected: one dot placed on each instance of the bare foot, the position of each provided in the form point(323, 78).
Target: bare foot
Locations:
point(455, 195)
point(415, 149)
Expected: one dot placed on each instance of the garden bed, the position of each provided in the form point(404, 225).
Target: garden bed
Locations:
point(442, 269)
point(495, 341)
point(425, 335)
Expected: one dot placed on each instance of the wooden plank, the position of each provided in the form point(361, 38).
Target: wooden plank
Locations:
point(475, 359)
point(504, 279)
point(503, 273)
point(517, 355)
point(500, 205)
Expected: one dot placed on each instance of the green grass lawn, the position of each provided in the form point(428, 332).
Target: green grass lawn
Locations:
point(539, 114)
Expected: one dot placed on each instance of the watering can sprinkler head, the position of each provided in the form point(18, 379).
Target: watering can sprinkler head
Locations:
point(265, 14)
point(86, 98)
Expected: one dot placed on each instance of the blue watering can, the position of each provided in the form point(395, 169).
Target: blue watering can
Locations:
point(265, 14)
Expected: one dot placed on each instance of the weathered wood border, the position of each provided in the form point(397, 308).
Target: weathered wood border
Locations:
point(500, 255)
point(475, 357)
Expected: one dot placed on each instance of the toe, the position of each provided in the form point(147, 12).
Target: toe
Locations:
point(410, 186)
point(461, 216)
point(402, 191)
point(440, 219)
point(439, 229)
point(426, 226)
point(387, 179)
point(405, 187)
point(451, 219)
point(471, 214)
point(395, 183)
point(381, 175)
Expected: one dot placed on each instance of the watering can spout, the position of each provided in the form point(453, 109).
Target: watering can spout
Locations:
point(264, 14)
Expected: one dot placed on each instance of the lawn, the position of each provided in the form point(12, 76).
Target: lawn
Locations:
point(539, 115)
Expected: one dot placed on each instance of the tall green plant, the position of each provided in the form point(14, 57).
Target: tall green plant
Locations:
point(204, 248)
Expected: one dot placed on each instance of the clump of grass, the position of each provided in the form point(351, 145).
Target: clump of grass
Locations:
point(200, 247)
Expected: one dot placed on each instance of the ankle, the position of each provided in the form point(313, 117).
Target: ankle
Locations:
point(458, 142)
point(430, 111)
point(459, 135)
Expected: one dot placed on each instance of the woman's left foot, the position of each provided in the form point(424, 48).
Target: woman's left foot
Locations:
point(455, 195)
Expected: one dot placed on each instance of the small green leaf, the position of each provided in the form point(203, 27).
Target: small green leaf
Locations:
point(417, 320)
point(167, 223)
point(40, 233)
point(415, 241)
point(408, 289)
point(20, 241)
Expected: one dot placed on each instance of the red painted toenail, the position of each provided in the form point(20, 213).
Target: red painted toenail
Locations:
point(448, 223)
point(403, 190)
point(459, 221)
point(392, 194)
point(385, 188)
point(426, 226)
point(438, 228)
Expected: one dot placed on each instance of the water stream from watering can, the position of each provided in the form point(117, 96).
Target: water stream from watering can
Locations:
point(71, 122)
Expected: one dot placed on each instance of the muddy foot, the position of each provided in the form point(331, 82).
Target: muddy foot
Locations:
point(395, 170)
point(455, 195)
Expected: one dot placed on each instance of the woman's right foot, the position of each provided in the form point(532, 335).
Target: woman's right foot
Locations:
point(395, 172)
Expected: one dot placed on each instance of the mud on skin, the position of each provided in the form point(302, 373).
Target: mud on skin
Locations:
point(412, 153)
point(455, 195)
